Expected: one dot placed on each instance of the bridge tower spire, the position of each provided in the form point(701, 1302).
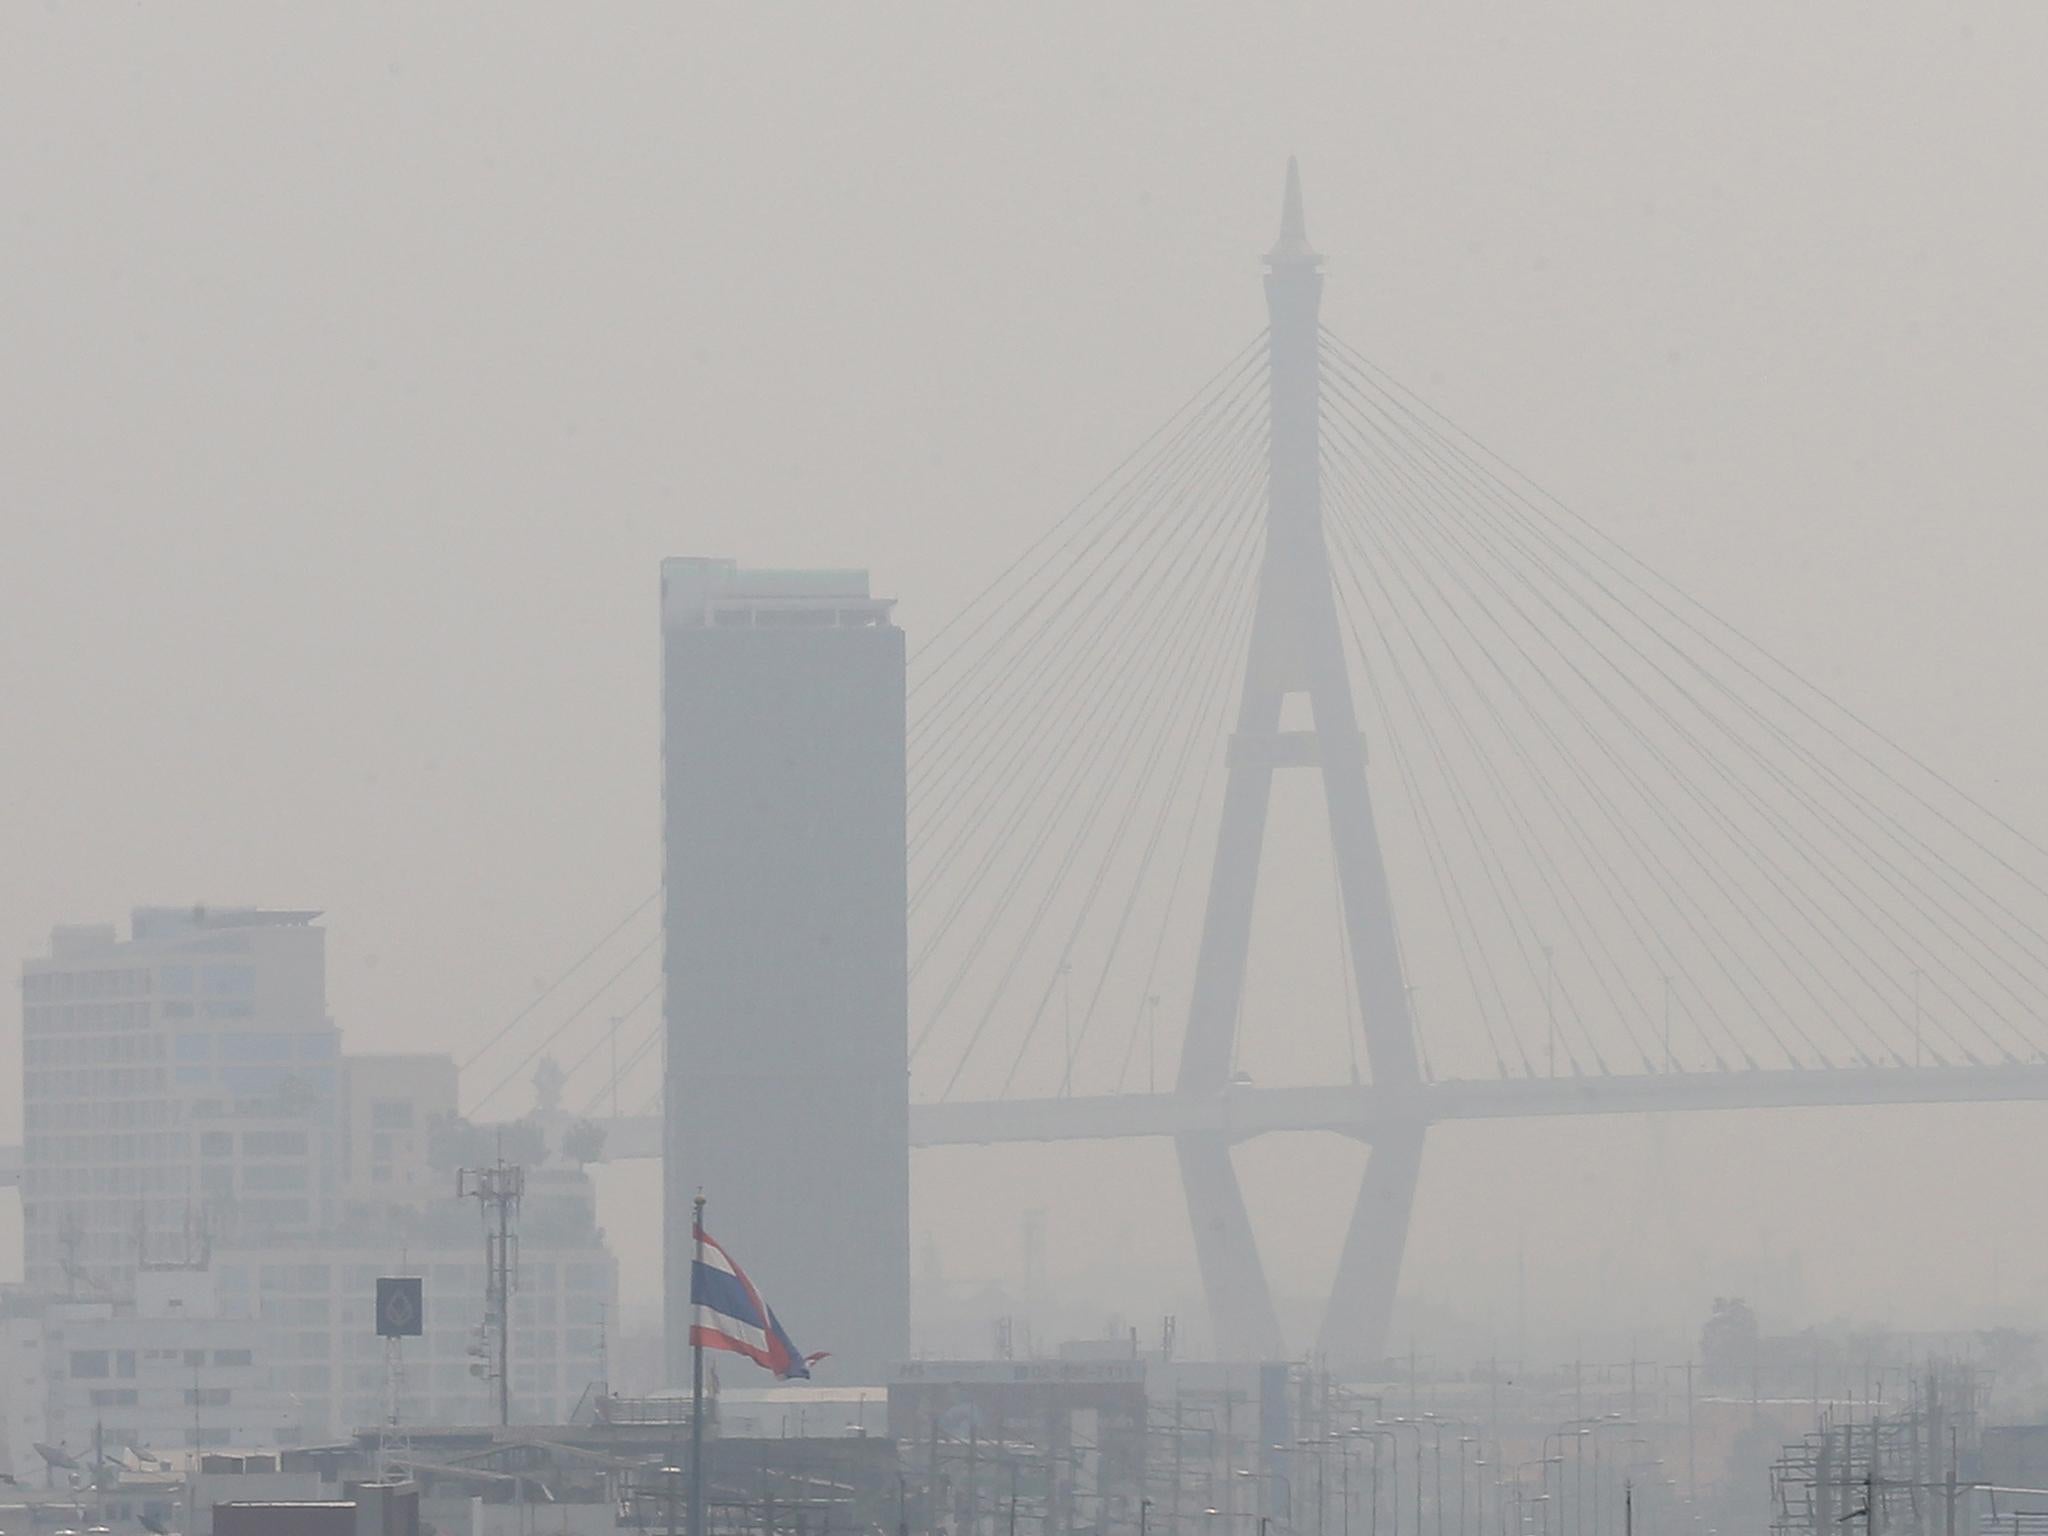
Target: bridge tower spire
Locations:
point(1296, 648)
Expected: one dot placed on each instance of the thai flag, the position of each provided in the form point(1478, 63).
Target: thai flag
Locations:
point(726, 1312)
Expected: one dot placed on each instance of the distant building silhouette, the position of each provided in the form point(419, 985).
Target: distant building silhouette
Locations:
point(787, 1098)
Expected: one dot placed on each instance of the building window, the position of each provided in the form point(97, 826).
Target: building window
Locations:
point(88, 1364)
point(391, 1114)
point(228, 981)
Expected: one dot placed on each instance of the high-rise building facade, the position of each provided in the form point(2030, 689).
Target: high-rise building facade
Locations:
point(178, 1087)
point(191, 1121)
point(787, 1087)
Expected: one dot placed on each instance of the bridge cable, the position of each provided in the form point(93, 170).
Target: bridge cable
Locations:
point(1539, 856)
point(1675, 889)
point(599, 1040)
point(1464, 931)
point(1197, 673)
point(1707, 807)
point(1164, 466)
point(1767, 865)
point(1813, 912)
point(1591, 533)
point(1497, 880)
point(1078, 733)
point(1933, 910)
point(627, 1068)
point(1586, 847)
point(555, 1034)
point(1716, 873)
point(1092, 683)
point(1063, 745)
point(1219, 731)
point(1008, 727)
point(1604, 870)
point(1828, 870)
point(1888, 826)
point(552, 987)
point(1254, 350)
point(1099, 603)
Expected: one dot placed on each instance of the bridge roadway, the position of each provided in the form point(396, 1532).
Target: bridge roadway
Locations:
point(1244, 1111)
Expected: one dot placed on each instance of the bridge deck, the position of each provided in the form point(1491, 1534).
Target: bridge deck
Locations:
point(1244, 1111)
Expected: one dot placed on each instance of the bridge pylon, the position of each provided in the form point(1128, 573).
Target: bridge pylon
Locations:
point(1296, 648)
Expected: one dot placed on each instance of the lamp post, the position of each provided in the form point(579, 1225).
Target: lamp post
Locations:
point(1546, 1462)
point(1521, 1518)
point(1438, 1423)
point(1578, 1432)
point(1394, 1425)
point(1611, 1421)
point(1647, 1491)
point(1303, 1446)
point(1376, 1435)
point(1256, 1478)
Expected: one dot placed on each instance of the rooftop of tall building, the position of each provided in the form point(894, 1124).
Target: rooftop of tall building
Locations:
point(698, 591)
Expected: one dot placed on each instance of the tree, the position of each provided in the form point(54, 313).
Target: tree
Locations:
point(1728, 1344)
point(583, 1143)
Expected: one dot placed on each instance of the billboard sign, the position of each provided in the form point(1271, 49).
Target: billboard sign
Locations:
point(400, 1314)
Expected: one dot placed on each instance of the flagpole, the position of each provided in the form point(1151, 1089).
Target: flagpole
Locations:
point(696, 1378)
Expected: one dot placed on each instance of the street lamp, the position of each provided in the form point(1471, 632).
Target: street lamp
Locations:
point(1376, 1435)
point(1546, 1462)
point(1575, 1428)
point(1256, 1478)
point(1394, 1425)
point(1438, 1423)
point(1611, 1421)
point(1303, 1445)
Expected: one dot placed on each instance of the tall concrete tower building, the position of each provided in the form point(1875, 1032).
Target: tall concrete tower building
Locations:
point(788, 1080)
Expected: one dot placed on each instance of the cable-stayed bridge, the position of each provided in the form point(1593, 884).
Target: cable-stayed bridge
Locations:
point(1583, 848)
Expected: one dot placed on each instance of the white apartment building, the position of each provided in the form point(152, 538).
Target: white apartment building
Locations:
point(172, 1372)
point(316, 1302)
point(187, 1110)
point(176, 1085)
point(24, 1397)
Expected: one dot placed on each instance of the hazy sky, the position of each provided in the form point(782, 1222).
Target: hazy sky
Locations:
point(361, 363)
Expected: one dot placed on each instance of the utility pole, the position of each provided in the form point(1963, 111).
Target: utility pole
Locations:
point(496, 1191)
point(1692, 1470)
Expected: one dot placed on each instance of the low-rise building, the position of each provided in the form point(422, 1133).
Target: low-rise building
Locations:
point(170, 1373)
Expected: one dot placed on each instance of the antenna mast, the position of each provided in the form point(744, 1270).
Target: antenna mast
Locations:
point(496, 1191)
